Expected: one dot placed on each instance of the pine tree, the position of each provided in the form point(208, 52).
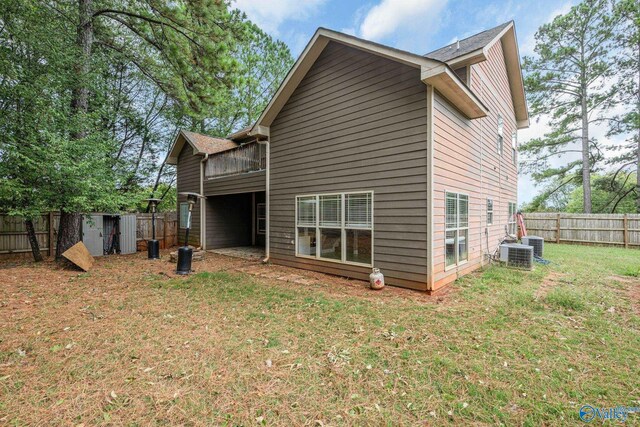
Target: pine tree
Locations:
point(568, 80)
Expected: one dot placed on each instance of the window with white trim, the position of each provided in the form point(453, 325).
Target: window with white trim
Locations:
point(184, 214)
point(514, 148)
point(489, 211)
point(500, 134)
point(261, 218)
point(456, 229)
point(512, 226)
point(335, 227)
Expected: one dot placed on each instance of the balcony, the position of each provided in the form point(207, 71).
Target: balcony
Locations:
point(246, 158)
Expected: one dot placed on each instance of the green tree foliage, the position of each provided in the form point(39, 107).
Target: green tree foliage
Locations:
point(568, 81)
point(627, 62)
point(554, 197)
point(92, 93)
point(610, 194)
point(263, 65)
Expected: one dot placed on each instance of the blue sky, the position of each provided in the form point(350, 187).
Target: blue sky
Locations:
point(418, 26)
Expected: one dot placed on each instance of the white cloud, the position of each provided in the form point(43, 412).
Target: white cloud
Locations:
point(270, 14)
point(401, 16)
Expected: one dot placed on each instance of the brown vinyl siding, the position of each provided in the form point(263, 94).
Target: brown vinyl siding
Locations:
point(244, 183)
point(466, 160)
point(188, 179)
point(357, 122)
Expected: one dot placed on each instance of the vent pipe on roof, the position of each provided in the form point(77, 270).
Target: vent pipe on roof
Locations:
point(458, 45)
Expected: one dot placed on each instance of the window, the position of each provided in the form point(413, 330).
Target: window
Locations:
point(500, 134)
point(456, 229)
point(335, 227)
point(261, 218)
point(489, 211)
point(514, 147)
point(184, 215)
point(511, 224)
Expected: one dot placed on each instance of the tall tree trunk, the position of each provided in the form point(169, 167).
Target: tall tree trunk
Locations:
point(72, 223)
point(69, 230)
point(638, 141)
point(33, 240)
point(84, 41)
point(586, 161)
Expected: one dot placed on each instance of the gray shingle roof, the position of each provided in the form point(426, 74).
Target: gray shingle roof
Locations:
point(468, 45)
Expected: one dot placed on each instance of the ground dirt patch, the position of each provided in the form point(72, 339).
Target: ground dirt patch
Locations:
point(631, 289)
point(550, 281)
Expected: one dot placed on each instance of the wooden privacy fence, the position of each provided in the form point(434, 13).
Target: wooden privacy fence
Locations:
point(166, 229)
point(14, 240)
point(13, 233)
point(597, 229)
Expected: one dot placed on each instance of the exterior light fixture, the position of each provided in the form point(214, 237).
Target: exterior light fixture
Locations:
point(185, 253)
point(153, 246)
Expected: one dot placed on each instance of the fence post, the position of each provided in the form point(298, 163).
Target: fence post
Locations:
point(625, 223)
point(51, 243)
point(164, 231)
point(558, 229)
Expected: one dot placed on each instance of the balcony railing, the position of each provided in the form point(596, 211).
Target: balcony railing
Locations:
point(246, 158)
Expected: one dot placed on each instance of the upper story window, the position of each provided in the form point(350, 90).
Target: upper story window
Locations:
point(250, 157)
point(500, 134)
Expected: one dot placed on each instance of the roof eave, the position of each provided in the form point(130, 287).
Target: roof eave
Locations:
point(509, 42)
point(470, 58)
point(514, 71)
point(445, 81)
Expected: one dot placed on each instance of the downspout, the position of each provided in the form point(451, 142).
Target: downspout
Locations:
point(483, 191)
point(266, 201)
point(430, 143)
point(203, 206)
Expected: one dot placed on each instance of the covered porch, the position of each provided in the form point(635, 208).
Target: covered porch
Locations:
point(236, 223)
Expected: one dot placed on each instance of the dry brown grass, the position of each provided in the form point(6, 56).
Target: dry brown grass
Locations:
point(241, 343)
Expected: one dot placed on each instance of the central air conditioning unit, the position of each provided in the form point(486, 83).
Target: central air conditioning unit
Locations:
point(517, 255)
point(536, 242)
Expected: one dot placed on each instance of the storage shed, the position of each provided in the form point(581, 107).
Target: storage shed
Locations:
point(105, 234)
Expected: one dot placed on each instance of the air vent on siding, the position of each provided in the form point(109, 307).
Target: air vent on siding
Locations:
point(536, 242)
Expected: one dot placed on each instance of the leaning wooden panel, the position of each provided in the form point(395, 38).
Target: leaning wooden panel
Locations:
point(80, 256)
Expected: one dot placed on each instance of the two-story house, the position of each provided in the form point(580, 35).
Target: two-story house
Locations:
point(369, 156)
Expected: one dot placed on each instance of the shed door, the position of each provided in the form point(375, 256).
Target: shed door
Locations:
point(92, 227)
point(128, 234)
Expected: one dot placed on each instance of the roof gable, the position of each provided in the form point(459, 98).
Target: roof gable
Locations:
point(475, 49)
point(433, 72)
point(201, 145)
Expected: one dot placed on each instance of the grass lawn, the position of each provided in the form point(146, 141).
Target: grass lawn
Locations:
point(126, 345)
